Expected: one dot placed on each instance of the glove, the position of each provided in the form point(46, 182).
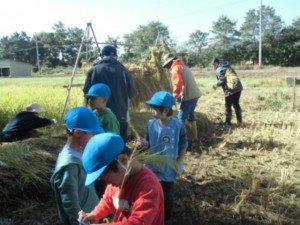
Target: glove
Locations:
point(53, 121)
point(178, 100)
point(214, 86)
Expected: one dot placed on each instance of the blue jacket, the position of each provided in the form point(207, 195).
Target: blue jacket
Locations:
point(221, 79)
point(166, 141)
point(112, 73)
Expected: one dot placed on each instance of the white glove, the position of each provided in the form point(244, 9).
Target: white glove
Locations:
point(53, 121)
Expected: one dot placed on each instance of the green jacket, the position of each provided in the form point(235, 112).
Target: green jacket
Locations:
point(108, 121)
point(71, 194)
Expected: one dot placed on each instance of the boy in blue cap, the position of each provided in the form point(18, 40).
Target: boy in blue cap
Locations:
point(167, 136)
point(98, 96)
point(133, 192)
point(68, 178)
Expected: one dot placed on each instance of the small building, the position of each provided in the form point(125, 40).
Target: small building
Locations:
point(12, 68)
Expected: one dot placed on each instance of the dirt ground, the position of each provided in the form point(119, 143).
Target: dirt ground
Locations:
point(201, 196)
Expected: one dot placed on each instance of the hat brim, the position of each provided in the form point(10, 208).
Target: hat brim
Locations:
point(154, 103)
point(41, 110)
point(98, 130)
point(151, 102)
point(91, 177)
point(94, 95)
point(168, 61)
point(90, 95)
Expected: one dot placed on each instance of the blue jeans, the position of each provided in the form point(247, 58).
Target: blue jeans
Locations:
point(187, 110)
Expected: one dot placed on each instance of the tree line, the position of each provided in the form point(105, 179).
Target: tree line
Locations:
point(280, 43)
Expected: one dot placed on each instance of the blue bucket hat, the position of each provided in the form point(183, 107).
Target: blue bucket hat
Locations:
point(99, 152)
point(99, 90)
point(162, 98)
point(84, 119)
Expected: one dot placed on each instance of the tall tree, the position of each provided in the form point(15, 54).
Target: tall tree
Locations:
point(198, 40)
point(17, 47)
point(225, 38)
point(137, 43)
point(271, 25)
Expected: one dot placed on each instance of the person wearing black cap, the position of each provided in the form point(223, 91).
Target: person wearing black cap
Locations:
point(68, 178)
point(25, 123)
point(232, 87)
point(185, 91)
point(114, 74)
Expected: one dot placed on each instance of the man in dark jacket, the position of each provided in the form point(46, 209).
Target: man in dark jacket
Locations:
point(114, 74)
point(24, 124)
point(232, 93)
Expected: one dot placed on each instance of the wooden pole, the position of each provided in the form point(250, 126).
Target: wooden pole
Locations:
point(294, 93)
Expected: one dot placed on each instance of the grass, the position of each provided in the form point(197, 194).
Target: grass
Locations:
point(233, 175)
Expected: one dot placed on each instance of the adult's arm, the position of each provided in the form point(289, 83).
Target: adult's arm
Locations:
point(177, 81)
point(88, 81)
point(130, 84)
point(221, 76)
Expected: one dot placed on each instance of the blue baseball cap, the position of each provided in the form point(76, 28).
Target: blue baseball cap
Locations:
point(99, 152)
point(99, 90)
point(162, 98)
point(84, 119)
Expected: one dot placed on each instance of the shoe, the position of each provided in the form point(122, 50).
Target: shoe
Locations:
point(225, 123)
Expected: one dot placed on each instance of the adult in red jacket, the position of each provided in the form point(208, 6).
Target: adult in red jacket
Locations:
point(133, 193)
point(185, 91)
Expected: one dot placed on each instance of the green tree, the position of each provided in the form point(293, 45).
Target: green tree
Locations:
point(196, 45)
point(60, 48)
point(287, 53)
point(138, 42)
point(198, 40)
point(271, 25)
point(225, 38)
point(18, 46)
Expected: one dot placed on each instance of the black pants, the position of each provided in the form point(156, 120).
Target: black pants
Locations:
point(123, 130)
point(11, 137)
point(233, 100)
point(168, 188)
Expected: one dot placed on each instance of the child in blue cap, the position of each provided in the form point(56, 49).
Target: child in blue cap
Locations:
point(98, 96)
point(133, 194)
point(68, 178)
point(166, 135)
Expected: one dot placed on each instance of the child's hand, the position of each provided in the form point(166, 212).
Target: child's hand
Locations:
point(141, 145)
point(87, 218)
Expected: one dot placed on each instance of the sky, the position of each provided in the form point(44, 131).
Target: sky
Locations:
point(119, 17)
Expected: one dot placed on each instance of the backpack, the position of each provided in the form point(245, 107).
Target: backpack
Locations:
point(231, 79)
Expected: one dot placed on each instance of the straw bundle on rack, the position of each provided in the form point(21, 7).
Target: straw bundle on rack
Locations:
point(149, 78)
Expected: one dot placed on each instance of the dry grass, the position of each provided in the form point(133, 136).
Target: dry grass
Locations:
point(248, 174)
point(233, 175)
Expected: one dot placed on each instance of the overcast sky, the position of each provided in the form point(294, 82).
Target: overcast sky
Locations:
point(118, 17)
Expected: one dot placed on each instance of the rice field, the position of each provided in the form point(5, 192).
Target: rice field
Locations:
point(233, 175)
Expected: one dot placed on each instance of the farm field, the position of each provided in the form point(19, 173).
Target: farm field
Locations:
point(233, 175)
